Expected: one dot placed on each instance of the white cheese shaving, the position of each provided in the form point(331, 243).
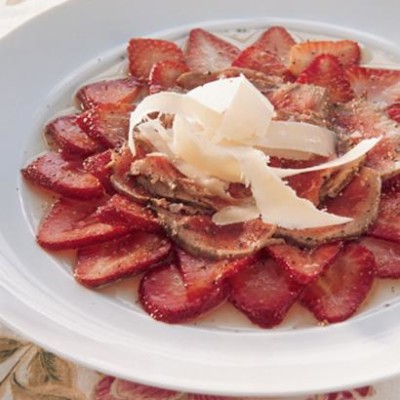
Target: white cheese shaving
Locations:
point(219, 128)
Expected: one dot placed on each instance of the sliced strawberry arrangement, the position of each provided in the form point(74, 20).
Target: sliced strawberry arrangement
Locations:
point(206, 52)
point(387, 256)
point(164, 295)
point(304, 265)
point(119, 209)
point(326, 70)
point(374, 84)
point(303, 54)
point(124, 90)
point(202, 274)
point(144, 53)
point(121, 258)
point(69, 225)
point(107, 123)
point(255, 58)
point(387, 224)
point(99, 165)
point(277, 41)
point(339, 292)
point(67, 178)
point(67, 133)
point(263, 292)
point(163, 75)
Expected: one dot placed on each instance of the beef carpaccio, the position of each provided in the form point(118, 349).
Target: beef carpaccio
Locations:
point(139, 214)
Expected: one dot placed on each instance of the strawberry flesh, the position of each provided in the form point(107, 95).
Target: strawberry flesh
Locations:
point(263, 292)
point(67, 178)
point(107, 123)
point(120, 209)
point(67, 133)
point(121, 258)
point(302, 54)
point(125, 90)
point(99, 165)
point(338, 293)
point(70, 225)
point(144, 53)
point(277, 41)
point(304, 265)
point(206, 52)
point(163, 75)
point(387, 256)
point(164, 295)
point(387, 224)
point(326, 70)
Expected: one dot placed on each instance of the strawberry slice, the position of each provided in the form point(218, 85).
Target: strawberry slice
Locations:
point(387, 256)
point(263, 292)
point(338, 293)
point(164, 295)
point(70, 225)
point(99, 165)
point(393, 111)
point(144, 53)
point(387, 224)
point(67, 133)
point(278, 41)
point(67, 178)
point(164, 74)
point(206, 52)
point(125, 90)
point(304, 265)
point(119, 209)
point(374, 84)
point(326, 70)
point(202, 274)
point(255, 58)
point(121, 258)
point(107, 123)
point(302, 54)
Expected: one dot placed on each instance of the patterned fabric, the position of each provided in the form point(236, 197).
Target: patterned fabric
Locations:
point(28, 372)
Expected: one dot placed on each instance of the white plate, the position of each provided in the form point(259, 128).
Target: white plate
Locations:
point(42, 64)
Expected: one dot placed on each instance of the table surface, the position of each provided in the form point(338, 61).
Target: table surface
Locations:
point(30, 372)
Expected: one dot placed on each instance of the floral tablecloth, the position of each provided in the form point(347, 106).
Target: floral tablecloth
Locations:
point(28, 372)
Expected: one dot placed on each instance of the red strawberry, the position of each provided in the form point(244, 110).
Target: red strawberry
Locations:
point(202, 274)
point(257, 59)
point(387, 256)
point(302, 54)
point(326, 70)
point(144, 53)
point(278, 41)
point(374, 84)
point(125, 90)
point(304, 265)
point(206, 52)
point(338, 293)
point(263, 293)
point(67, 133)
point(164, 74)
point(67, 178)
point(393, 111)
point(107, 123)
point(70, 225)
point(387, 224)
point(99, 165)
point(119, 209)
point(165, 297)
point(108, 262)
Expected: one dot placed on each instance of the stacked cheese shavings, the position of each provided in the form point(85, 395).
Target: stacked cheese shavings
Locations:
point(225, 130)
